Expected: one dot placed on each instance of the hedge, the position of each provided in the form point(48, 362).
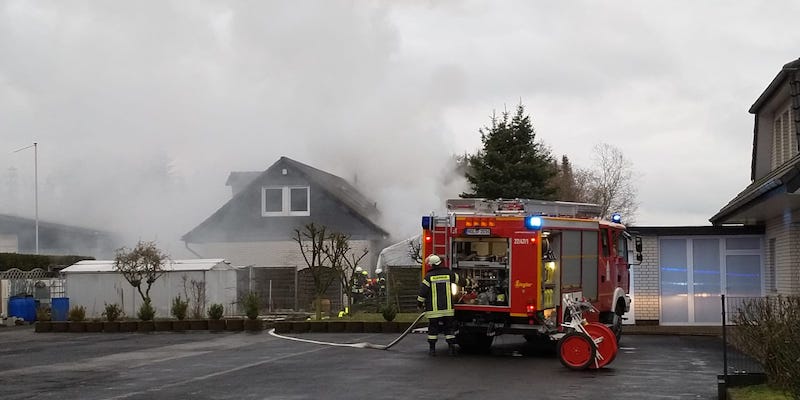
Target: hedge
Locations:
point(27, 262)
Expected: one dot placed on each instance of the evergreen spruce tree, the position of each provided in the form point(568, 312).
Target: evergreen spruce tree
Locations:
point(512, 163)
point(565, 181)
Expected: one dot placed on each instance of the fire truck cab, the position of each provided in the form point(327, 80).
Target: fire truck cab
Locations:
point(518, 260)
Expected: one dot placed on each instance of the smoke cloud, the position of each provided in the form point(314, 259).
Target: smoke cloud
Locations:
point(141, 109)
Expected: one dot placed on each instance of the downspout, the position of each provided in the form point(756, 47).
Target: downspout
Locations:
point(192, 251)
point(794, 94)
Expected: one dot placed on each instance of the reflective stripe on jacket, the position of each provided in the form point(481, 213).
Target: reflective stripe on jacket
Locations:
point(435, 291)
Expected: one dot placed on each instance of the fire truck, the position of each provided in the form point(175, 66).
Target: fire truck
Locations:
point(522, 262)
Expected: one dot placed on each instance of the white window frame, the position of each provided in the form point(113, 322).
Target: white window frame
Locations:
point(286, 202)
point(784, 141)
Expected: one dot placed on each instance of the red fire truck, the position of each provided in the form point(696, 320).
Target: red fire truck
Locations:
point(521, 260)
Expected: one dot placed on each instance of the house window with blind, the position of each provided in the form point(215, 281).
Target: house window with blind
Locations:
point(282, 201)
point(784, 138)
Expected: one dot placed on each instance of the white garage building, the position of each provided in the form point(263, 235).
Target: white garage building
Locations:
point(93, 284)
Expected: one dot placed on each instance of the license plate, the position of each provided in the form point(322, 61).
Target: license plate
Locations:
point(477, 231)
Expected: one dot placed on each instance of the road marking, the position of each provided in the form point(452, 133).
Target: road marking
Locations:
point(215, 374)
point(142, 357)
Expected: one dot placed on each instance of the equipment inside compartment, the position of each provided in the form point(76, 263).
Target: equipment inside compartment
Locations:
point(482, 263)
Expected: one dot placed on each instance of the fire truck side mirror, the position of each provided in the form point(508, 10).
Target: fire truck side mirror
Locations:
point(638, 245)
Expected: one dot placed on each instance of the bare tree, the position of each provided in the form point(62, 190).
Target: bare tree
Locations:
point(341, 257)
point(311, 239)
point(610, 182)
point(195, 292)
point(143, 264)
point(415, 249)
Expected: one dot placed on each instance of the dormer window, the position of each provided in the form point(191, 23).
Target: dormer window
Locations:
point(281, 201)
point(784, 139)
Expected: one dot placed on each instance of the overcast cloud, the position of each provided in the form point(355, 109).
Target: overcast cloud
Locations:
point(142, 108)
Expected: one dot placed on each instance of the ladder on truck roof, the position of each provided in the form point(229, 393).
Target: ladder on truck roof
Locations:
point(438, 227)
point(523, 207)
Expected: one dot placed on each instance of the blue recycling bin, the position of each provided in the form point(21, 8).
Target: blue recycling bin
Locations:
point(22, 307)
point(59, 308)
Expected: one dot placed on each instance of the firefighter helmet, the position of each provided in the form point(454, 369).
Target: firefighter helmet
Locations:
point(434, 260)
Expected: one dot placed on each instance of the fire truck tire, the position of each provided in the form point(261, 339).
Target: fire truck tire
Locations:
point(576, 351)
point(616, 326)
point(474, 342)
point(607, 348)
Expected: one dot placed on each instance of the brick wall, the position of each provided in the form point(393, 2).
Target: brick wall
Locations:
point(647, 292)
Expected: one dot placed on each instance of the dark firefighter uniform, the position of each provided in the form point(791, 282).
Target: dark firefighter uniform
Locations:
point(435, 293)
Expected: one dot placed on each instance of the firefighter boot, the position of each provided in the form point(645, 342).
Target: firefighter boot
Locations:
point(432, 348)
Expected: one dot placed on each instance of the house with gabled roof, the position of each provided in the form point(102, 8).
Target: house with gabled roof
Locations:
point(19, 235)
point(256, 226)
point(772, 199)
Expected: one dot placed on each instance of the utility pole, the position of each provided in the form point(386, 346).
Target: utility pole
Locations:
point(35, 146)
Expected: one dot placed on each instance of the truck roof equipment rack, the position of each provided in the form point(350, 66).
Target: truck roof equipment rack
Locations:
point(523, 207)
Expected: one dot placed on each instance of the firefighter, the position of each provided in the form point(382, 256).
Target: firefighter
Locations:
point(435, 294)
point(357, 285)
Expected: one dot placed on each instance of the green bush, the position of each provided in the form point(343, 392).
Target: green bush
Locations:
point(251, 305)
point(389, 312)
point(215, 311)
point(112, 312)
point(179, 308)
point(77, 314)
point(146, 311)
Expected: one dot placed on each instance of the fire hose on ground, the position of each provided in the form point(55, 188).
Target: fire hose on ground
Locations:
point(360, 345)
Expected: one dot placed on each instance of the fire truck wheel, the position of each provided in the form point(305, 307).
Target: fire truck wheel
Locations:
point(616, 326)
point(576, 351)
point(607, 348)
point(474, 342)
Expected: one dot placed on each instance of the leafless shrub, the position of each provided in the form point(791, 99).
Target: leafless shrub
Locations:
point(765, 330)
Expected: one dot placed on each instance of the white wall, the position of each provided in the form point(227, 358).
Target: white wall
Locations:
point(95, 290)
point(9, 243)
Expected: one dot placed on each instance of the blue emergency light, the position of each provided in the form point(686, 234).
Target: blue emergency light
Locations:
point(533, 222)
point(615, 217)
point(426, 222)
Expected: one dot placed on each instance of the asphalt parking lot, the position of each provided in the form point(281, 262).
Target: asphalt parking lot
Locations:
point(259, 366)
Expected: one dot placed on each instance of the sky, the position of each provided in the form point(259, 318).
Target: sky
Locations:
point(142, 109)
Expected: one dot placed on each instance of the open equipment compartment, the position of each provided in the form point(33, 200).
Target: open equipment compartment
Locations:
point(482, 263)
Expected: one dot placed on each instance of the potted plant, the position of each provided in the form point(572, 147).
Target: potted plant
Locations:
point(146, 314)
point(112, 313)
point(251, 308)
point(178, 311)
point(77, 315)
point(43, 323)
point(215, 322)
point(389, 313)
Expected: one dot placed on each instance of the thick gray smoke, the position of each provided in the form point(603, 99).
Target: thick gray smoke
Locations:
point(141, 109)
